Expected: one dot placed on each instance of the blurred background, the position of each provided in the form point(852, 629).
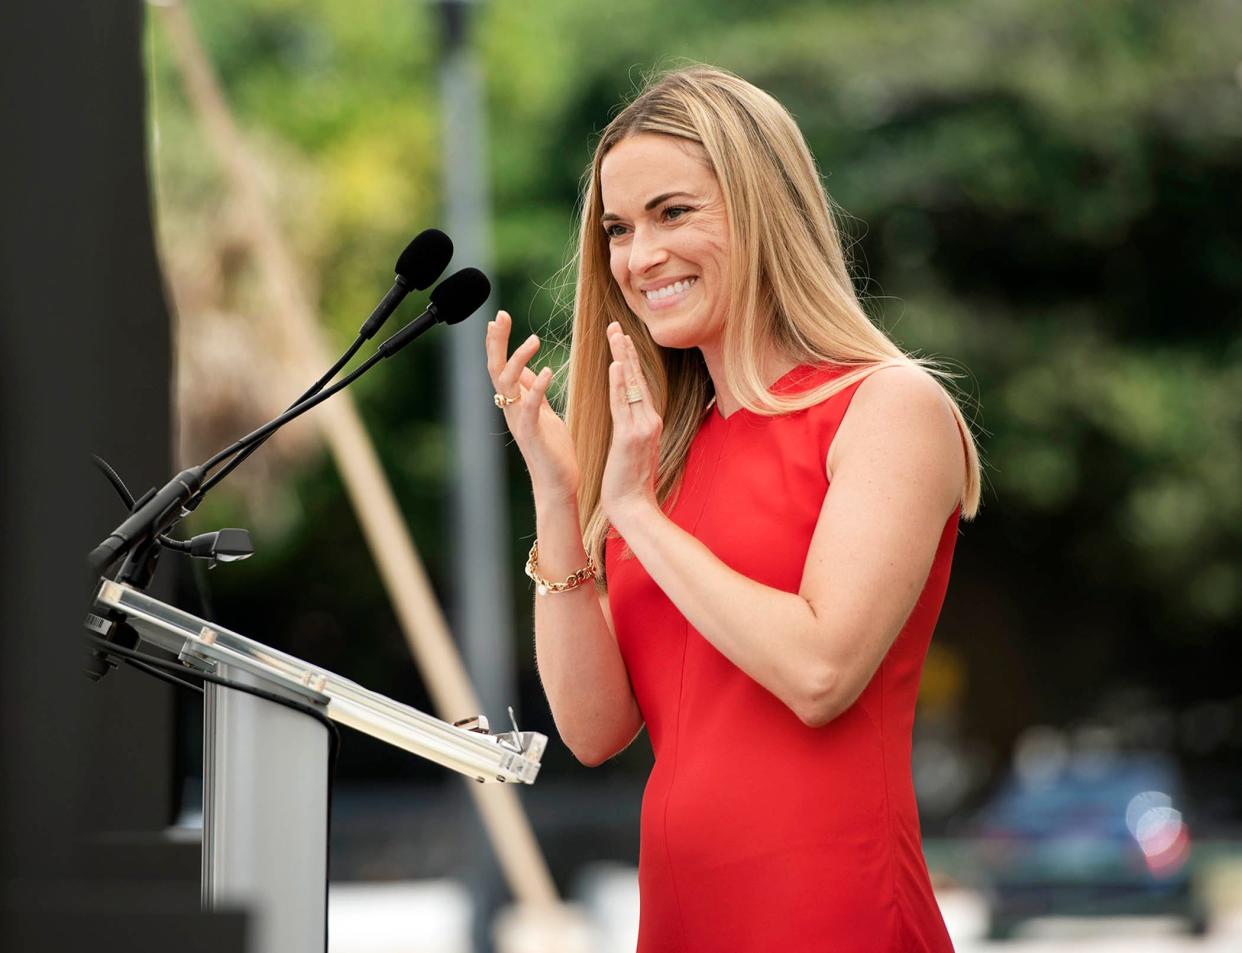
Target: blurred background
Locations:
point(1043, 193)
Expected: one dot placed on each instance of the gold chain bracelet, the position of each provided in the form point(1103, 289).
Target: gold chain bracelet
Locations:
point(572, 581)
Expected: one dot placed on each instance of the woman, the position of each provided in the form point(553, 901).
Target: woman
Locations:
point(773, 566)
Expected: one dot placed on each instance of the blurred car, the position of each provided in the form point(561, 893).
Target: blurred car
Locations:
point(1099, 836)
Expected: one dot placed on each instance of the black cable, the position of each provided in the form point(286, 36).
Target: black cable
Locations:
point(334, 734)
point(119, 485)
point(162, 675)
point(115, 479)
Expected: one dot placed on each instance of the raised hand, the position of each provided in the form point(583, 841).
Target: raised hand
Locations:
point(629, 481)
point(539, 431)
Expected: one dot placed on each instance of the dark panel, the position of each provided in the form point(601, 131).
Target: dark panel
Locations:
point(85, 769)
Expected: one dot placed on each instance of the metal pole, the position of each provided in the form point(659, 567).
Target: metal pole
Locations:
point(480, 518)
point(482, 599)
point(265, 815)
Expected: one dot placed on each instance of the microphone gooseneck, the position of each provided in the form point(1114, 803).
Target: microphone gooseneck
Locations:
point(454, 300)
point(421, 262)
point(457, 297)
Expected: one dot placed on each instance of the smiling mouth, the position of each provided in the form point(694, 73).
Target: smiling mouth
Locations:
point(672, 290)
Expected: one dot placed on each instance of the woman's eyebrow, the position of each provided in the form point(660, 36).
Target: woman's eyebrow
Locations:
point(664, 197)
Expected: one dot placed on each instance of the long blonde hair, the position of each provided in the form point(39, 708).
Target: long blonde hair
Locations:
point(790, 286)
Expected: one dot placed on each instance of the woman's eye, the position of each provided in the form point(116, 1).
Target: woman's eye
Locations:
point(675, 212)
point(614, 231)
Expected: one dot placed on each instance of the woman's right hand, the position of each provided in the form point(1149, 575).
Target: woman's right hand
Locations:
point(541, 434)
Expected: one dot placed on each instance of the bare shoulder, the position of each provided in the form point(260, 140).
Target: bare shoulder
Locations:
point(901, 417)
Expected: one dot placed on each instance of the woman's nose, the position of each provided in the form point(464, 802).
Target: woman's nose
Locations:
point(646, 251)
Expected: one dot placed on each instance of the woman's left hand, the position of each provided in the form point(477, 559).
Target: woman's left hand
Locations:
point(629, 479)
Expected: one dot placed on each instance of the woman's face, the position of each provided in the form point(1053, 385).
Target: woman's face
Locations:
point(668, 237)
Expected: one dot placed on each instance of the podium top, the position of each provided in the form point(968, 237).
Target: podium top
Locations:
point(505, 756)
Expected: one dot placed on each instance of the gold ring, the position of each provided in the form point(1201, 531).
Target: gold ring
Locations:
point(633, 395)
point(502, 401)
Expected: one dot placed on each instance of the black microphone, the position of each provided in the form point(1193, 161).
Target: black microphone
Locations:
point(457, 297)
point(454, 300)
point(422, 262)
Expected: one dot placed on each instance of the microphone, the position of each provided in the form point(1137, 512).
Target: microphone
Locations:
point(460, 295)
point(454, 300)
point(422, 262)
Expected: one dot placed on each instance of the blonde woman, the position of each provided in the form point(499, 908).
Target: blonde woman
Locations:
point(765, 491)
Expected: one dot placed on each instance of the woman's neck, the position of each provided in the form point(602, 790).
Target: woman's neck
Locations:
point(774, 368)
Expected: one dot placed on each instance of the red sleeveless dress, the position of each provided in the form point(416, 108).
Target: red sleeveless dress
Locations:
point(759, 834)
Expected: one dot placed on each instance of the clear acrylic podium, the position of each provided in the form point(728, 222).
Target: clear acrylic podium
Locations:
point(265, 766)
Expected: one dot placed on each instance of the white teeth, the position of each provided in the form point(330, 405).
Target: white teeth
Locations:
point(677, 287)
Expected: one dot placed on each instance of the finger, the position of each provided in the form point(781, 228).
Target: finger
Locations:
point(621, 414)
point(630, 373)
point(507, 382)
point(534, 397)
point(639, 379)
point(527, 381)
point(616, 342)
point(627, 377)
point(497, 343)
point(624, 355)
point(636, 367)
point(621, 357)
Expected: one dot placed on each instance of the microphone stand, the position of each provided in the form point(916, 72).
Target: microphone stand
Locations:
point(138, 537)
point(142, 547)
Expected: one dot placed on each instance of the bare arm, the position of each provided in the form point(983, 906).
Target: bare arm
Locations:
point(580, 665)
point(583, 674)
point(897, 472)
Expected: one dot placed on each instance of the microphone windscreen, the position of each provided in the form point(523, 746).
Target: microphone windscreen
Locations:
point(460, 295)
point(425, 258)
